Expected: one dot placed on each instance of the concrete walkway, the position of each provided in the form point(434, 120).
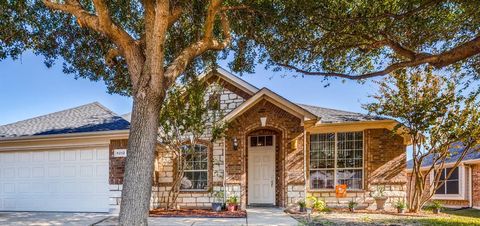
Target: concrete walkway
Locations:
point(49, 218)
point(255, 216)
point(269, 216)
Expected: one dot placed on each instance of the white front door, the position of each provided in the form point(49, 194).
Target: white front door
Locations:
point(261, 172)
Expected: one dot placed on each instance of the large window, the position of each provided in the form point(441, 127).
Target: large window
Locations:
point(336, 158)
point(451, 185)
point(196, 167)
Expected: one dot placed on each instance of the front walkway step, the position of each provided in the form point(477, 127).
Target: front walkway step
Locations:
point(269, 216)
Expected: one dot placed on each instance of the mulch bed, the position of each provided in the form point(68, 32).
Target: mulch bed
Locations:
point(206, 213)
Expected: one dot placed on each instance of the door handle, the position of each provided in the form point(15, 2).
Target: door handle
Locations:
point(271, 183)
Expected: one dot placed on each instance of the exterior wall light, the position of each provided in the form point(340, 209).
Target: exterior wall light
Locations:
point(235, 143)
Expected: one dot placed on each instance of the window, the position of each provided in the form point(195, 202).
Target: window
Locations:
point(451, 185)
point(259, 141)
point(336, 158)
point(196, 167)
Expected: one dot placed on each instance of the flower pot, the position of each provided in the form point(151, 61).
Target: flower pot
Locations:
point(303, 209)
point(232, 207)
point(352, 210)
point(436, 211)
point(217, 206)
point(380, 201)
point(400, 210)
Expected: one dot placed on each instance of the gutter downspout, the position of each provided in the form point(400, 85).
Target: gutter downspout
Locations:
point(224, 171)
point(470, 192)
point(305, 162)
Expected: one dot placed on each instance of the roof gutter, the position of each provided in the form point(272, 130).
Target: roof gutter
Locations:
point(112, 133)
point(465, 162)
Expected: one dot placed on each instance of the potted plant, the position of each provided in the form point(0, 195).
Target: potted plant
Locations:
point(302, 205)
point(401, 205)
point(217, 204)
point(435, 206)
point(351, 205)
point(380, 197)
point(232, 203)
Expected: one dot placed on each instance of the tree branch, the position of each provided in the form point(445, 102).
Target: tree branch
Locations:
point(111, 55)
point(208, 42)
point(440, 60)
point(103, 24)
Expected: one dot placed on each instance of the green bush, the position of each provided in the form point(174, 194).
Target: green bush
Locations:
point(317, 204)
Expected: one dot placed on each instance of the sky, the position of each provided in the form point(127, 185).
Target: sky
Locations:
point(29, 89)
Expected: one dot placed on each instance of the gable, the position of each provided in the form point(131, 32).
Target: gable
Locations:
point(275, 99)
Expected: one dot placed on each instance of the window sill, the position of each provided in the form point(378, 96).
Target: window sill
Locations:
point(333, 190)
point(449, 197)
point(194, 191)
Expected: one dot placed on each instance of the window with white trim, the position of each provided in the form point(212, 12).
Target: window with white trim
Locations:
point(451, 185)
point(196, 167)
point(336, 158)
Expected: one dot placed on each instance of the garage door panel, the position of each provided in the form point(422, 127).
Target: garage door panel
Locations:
point(59, 180)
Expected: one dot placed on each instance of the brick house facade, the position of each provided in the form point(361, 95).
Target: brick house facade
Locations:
point(258, 114)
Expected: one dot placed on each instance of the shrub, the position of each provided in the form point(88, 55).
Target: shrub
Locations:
point(352, 204)
point(401, 204)
point(301, 203)
point(317, 204)
point(434, 205)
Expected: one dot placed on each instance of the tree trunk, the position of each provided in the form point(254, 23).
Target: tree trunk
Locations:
point(137, 183)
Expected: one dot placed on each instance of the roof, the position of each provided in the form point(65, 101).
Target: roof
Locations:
point(92, 117)
point(327, 115)
point(273, 97)
point(456, 151)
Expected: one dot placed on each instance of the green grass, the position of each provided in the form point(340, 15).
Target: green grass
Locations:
point(450, 217)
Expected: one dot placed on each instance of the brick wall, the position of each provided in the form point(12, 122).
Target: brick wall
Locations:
point(289, 150)
point(117, 164)
point(476, 185)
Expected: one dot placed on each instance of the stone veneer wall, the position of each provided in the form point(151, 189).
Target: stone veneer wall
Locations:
point(230, 98)
point(384, 166)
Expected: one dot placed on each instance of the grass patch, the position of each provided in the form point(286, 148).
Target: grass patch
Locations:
point(448, 218)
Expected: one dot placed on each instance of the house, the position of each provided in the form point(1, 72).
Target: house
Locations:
point(276, 152)
point(462, 188)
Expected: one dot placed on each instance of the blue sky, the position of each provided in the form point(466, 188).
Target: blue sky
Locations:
point(29, 89)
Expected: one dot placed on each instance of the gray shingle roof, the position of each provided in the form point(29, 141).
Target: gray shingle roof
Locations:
point(456, 151)
point(328, 115)
point(91, 117)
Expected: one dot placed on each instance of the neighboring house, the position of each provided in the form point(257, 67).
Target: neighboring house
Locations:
point(276, 152)
point(462, 188)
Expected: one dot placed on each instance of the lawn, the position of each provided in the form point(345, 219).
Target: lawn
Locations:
point(448, 217)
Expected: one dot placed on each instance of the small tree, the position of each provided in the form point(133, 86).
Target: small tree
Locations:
point(191, 113)
point(436, 117)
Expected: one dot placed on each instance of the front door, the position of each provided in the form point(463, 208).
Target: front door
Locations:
point(261, 170)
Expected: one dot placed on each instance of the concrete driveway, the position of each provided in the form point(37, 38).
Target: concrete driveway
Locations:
point(50, 218)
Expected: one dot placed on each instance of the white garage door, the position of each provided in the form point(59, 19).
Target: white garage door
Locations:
point(57, 180)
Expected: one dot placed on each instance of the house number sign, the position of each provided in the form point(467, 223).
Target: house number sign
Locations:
point(119, 153)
